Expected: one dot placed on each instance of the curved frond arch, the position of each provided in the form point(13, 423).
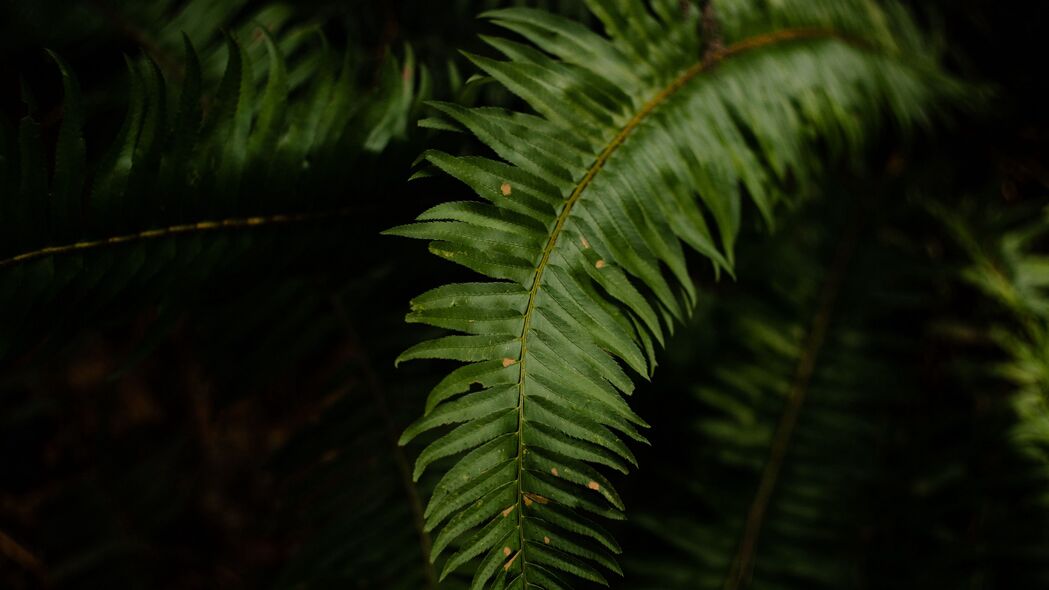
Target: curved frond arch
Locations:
point(644, 140)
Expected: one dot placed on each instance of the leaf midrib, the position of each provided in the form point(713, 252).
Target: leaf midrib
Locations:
point(199, 227)
point(814, 341)
point(685, 77)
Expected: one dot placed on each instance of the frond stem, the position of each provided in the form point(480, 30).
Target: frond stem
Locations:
point(706, 63)
point(742, 565)
point(710, 31)
point(175, 230)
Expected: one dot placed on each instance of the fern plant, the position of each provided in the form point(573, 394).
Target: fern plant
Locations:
point(643, 140)
point(181, 189)
point(199, 318)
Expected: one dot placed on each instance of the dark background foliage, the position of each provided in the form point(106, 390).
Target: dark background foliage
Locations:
point(238, 429)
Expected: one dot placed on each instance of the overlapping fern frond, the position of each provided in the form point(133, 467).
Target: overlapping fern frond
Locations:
point(786, 413)
point(869, 491)
point(1005, 259)
point(646, 139)
point(195, 178)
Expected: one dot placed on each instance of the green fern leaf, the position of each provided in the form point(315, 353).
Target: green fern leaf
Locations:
point(250, 156)
point(785, 401)
point(638, 141)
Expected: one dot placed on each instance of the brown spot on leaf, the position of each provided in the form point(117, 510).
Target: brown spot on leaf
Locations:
point(529, 498)
point(599, 264)
point(506, 551)
point(553, 470)
point(594, 485)
point(586, 244)
point(546, 540)
point(506, 567)
point(508, 361)
point(509, 510)
point(506, 189)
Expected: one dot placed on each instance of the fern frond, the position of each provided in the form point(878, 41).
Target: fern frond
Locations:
point(193, 181)
point(641, 144)
point(785, 404)
point(1004, 258)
